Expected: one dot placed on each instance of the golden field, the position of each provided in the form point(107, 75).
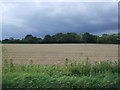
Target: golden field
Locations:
point(55, 54)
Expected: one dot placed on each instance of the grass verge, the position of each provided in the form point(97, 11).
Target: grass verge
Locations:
point(71, 75)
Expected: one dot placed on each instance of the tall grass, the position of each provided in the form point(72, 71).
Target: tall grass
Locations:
point(71, 75)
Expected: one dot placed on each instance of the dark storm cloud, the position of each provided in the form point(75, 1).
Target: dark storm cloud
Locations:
point(39, 19)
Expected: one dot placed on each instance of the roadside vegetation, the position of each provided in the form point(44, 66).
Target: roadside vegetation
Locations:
point(70, 75)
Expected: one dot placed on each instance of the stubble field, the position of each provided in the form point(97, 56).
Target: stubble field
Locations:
point(55, 54)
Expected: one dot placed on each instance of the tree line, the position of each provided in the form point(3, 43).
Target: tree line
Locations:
point(70, 37)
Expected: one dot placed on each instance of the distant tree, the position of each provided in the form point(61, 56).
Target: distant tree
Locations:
point(11, 38)
point(58, 38)
point(81, 37)
point(114, 39)
point(89, 38)
point(5, 41)
point(30, 39)
point(47, 39)
point(118, 38)
point(86, 37)
point(71, 38)
point(108, 39)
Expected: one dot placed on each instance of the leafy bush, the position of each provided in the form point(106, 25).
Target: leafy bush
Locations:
point(42, 80)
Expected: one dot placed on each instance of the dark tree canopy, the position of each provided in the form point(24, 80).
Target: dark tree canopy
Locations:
point(47, 39)
point(70, 37)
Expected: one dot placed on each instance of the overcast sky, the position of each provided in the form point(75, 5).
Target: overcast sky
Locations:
point(41, 18)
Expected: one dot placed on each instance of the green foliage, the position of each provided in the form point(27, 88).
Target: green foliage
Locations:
point(58, 38)
point(71, 75)
point(42, 80)
point(47, 39)
point(70, 37)
point(89, 38)
point(109, 39)
point(31, 39)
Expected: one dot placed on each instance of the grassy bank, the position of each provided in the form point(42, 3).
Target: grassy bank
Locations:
point(70, 75)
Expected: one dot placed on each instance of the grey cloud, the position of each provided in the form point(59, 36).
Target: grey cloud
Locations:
point(50, 18)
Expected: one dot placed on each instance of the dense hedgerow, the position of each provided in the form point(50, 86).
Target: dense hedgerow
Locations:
point(43, 80)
